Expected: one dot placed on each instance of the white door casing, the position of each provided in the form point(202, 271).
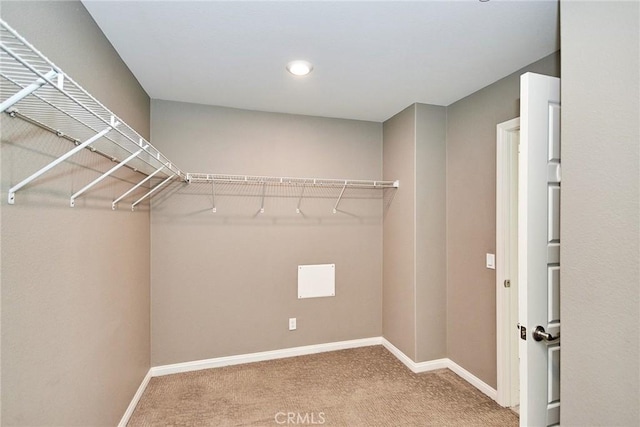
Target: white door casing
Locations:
point(539, 249)
point(508, 363)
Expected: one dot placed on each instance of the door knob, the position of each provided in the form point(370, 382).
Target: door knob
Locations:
point(540, 335)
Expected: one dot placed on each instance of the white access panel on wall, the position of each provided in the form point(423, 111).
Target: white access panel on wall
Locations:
point(316, 281)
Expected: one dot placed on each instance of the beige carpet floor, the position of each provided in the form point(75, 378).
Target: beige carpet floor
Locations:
point(358, 387)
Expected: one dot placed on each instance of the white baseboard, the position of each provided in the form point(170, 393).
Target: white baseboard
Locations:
point(431, 365)
point(416, 367)
point(218, 362)
point(134, 402)
point(473, 380)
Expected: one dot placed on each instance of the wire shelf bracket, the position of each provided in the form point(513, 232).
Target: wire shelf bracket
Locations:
point(27, 91)
point(264, 191)
point(135, 187)
point(72, 201)
point(298, 210)
point(335, 208)
point(213, 196)
point(150, 192)
point(56, 162)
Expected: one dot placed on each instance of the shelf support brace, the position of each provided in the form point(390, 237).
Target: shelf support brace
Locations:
point(150, 192)
point(335, 208)
point(132, 189)
point(264, 189)
point(213, 194)
point(72, 202)
point(300, 200)
point(27, 91)
point(56, 162)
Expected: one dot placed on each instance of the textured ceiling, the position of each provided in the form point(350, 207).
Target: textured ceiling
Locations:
point(371, 59)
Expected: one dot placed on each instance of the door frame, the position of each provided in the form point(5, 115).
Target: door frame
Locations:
point(505, 331)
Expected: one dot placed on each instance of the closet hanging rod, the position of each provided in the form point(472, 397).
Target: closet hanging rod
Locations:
point(305, 182)
point(59, 86)
point(14, 112)
point(37, 109)
point(17, 115)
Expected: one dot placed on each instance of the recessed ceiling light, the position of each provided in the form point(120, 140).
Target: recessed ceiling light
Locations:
point(299, 68)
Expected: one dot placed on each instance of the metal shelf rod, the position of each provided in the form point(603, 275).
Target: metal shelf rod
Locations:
point(16, 112)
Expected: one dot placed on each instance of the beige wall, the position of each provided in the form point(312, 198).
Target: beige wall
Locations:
point(414, 273)
point(600, 213)
point(431, 254)
point(225, 283)
point(75, 282)
point(399, 262)
point(471, 218)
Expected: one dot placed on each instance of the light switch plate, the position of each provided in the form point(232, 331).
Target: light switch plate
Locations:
point(491, 261)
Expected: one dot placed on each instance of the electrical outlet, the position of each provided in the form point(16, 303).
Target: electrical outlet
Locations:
point(292, 324)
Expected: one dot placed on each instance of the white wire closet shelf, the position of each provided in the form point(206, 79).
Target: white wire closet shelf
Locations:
point(36, 90)
point(299, 182)
point(302, 183)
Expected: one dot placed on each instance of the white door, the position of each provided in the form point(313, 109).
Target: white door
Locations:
point(539, 250)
